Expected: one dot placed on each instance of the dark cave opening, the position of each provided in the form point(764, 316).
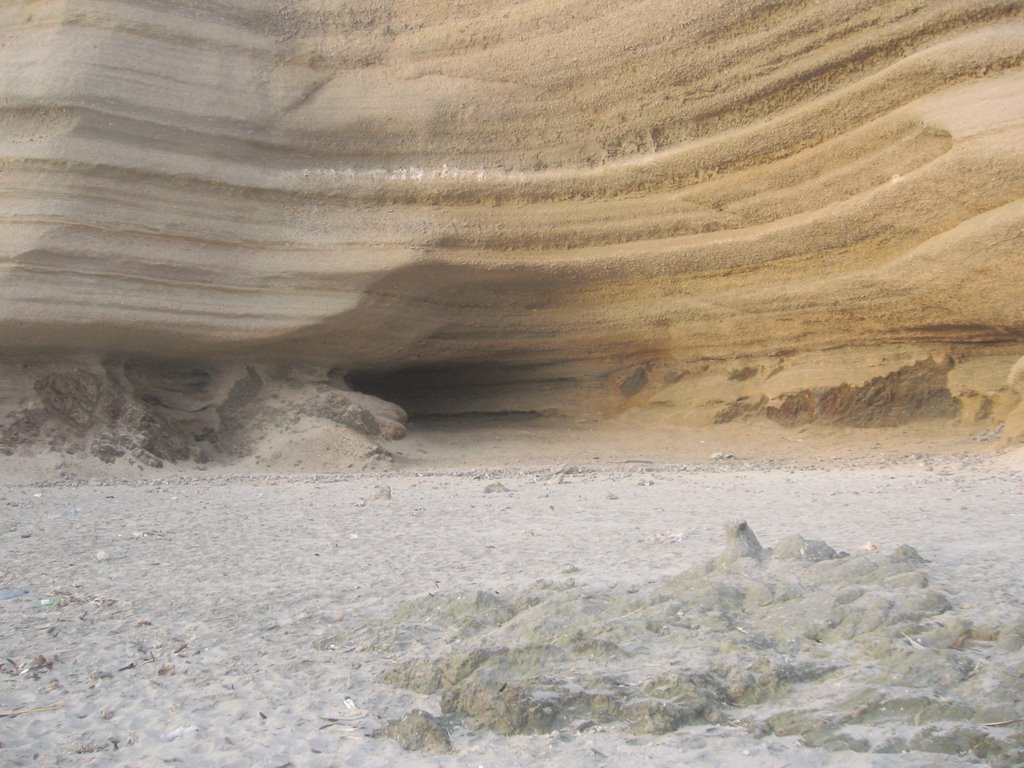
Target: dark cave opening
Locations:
point(455, 389)
point(433, 390)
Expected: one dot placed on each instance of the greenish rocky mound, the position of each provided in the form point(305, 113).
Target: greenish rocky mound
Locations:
point(848, 651)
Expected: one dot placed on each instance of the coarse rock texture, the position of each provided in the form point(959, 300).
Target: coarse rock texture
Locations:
point(418, 731)
point(781, 638)
point(147, 414)
point(706, 211)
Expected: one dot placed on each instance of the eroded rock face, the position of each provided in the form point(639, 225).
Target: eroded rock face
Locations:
point(574, 208)
point(154, 412)
point(918, 391)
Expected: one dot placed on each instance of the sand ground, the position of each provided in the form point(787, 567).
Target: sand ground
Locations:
point(242, 620)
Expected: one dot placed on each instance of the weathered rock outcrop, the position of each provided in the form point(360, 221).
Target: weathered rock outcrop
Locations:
point(149, 413)
point(850, 651)
point(1014, 427)
point(716, 208)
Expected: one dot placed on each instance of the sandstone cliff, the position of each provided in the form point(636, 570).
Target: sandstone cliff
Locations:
point(705, 211)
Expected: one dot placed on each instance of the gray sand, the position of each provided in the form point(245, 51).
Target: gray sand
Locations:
point(569, 619)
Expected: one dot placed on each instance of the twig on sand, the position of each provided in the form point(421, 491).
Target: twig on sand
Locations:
point(912, 641)
point(341, 725)
point(1003, 722)
point(626, 615)
point(347, 725)
point(31, 710)
point(344, 719)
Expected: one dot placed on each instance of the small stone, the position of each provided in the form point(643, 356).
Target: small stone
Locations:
point(381, 493)
point(799, 548)
point(418, 731)
point(101, 555)
point(495, 488)
point(40, 663)
point(1011, 640)
point(740, 542)
point(905, 553)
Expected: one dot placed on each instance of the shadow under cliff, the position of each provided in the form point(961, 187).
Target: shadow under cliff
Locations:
point(454, 339)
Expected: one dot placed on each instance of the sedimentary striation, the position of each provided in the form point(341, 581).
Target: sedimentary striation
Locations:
point(710, 210)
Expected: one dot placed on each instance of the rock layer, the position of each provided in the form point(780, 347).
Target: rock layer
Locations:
point(710, 209)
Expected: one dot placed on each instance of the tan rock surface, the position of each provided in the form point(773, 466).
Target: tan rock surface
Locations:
point(705, 211)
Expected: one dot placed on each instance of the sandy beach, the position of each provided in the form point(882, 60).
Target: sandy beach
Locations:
point(544, 615)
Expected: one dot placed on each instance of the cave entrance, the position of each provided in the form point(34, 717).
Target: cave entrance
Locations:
point(459, 389)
